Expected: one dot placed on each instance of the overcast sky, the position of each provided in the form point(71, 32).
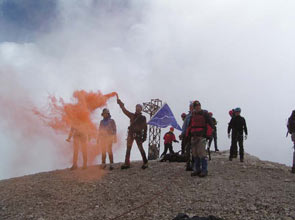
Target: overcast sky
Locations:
point(225, 54)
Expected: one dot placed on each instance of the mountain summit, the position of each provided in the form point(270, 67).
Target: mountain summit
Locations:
point(254, 189)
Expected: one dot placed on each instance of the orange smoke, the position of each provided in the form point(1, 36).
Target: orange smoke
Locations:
point(62, 116)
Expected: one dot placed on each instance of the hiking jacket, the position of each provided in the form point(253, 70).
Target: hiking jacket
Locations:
point(169, 137)
point(186, 124)
point(214, 123)
point(204, 122)
point(137, 122)
point(238, 125)
point(107, 126)
point(291, 123)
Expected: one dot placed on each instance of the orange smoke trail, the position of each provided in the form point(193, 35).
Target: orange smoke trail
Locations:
point(62, 116)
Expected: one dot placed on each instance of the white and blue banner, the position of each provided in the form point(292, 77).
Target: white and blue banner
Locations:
point(164, 118)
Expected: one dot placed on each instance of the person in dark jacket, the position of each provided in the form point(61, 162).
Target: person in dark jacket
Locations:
point(183, 140)
point(137, 131)
point(238, 126)
point(214, 133)
point(106, 137)
point(291, 131)
point(169, 137)
point(186, 138)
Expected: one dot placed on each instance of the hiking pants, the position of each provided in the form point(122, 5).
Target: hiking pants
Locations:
point(237, 138)
point(80, 141)
point(188, 155)
point(130, 141)
point(168, 146)
point(106, 146)
point(198, 145)
point(214, 138)
point(183, 145)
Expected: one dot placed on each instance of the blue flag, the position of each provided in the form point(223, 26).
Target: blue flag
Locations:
point(163, 118)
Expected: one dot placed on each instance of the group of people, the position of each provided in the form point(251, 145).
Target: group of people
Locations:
point(107, 136)
point(198, 130)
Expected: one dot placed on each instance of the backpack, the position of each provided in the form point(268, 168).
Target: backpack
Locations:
point(209, 131)
point(198, 125)
point(174, 157)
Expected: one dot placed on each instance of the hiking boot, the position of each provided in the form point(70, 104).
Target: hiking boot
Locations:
point(216, 150)
point(242, 160)
point(125, 166)
point(195, 173)
point(144, 166)
point(74, 167)
point(103, 166)
point(203, 174)
point(111, 167)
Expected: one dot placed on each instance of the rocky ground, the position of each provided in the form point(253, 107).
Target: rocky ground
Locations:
point(233, 190)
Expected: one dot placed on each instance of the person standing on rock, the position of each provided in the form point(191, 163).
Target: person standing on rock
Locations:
point(169, 137)
point(183, 140)
point(214, 133)
point(291, 131)
point(106, 137)
point(197, 129)
point(235, 150)
point(137, 131)
point(238, 126)
point(80, 140)
point(186, 138)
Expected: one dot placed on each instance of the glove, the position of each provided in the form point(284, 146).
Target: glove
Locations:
point(176, 141)
point(245, 137)
point(68, 140)
point(228, 135)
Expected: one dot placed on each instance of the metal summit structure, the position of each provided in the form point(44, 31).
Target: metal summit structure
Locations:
point(154, 132)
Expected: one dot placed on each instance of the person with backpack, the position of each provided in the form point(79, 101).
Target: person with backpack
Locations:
point(291, 131)
point(185, 137)
point(137, 131)
point(214, 134)
point(169, 137)
point(183, 140)
point(238, 126)
point(106, 137)
point(80, 141)
point(197, 130)
point(234, 148)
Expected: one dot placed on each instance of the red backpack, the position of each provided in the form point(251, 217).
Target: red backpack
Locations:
point(198, 126)
point(209, 131)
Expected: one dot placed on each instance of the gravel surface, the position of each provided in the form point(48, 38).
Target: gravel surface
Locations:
point(233, 190)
